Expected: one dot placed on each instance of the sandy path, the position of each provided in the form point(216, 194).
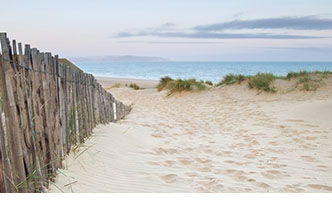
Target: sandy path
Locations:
point(222, 140)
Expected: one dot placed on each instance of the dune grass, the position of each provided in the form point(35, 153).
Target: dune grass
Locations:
point(134, 86)
point(163, 83)
point(309, 81)
point(305, 80)
point(116, 85)
point(262, 81)
point(179, 85)
point(304, 73)
point(208, 83)
point(230, 79)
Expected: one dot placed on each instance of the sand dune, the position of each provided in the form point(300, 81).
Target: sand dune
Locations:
point(226, 139)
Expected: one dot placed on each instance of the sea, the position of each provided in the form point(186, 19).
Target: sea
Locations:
point(212, 71)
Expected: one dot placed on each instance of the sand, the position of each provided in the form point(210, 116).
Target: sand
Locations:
point(108, 82)
point(228, 139)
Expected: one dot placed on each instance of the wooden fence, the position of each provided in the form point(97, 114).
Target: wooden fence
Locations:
point(46, 107)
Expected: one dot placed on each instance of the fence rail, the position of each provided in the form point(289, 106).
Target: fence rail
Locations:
point(46, 108)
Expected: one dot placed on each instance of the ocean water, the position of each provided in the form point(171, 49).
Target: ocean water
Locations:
point(213, 71)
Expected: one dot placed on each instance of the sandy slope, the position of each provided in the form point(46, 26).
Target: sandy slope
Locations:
point(223, 140)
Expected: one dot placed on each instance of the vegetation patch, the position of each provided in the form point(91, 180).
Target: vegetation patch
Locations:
point(230, 79)
point(116, 85)
point(309, 83)
point(309, 80)
point(209, 83)
point(180, 85)
point(304, 73)
point(134, 86)
point(262, 81)
point(163, 82)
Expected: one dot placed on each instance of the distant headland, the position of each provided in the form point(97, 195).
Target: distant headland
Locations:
point(126, 58)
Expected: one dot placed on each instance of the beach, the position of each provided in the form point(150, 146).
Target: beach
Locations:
point(109, 82)
point(224, 139)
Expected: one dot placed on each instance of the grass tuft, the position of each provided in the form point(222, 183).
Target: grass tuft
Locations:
point(163, 83)
point(209, 83)
point(309, 83)
point(180, 85)
point(116, 85)
point(262, 81)
point(304, 73)
point(134, 86)
point(230, 79)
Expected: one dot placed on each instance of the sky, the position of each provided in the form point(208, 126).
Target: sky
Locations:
point(205, 30)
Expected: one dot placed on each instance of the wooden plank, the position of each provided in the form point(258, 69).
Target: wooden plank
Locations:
point(38, 121)
point(7, 171)
point(12, 121)
point(38, 178)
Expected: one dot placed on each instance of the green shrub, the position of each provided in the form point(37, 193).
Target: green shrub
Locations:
point(134, 86)
point(262, 81)
point(116, 85)
point(163, 83)
point(304, 73)
point(231, 79)
point(209, 83)
point(308, 83)
point(180, 85)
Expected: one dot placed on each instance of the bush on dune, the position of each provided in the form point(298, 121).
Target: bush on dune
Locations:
point(134, 86)
point(305, 80)
point(180, 85)
point(208, 83)
point(163, 83)
point(308, 83)
point(304, 73)
point(230, 79)
point(262, 81)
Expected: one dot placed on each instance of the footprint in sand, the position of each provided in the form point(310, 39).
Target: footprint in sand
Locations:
point(169, 163)
point(322, 166)
point(250, 156)
point(292, 189)
point(203, 160)
point(161, 150)
point(273, 143)
point(271, 174)
point(169, 178)
point(217, 187)
point(262, 185)
point(191, 174)
point(230, 171)
point(185, 161)
point(310, 138)
point(153, 163)
point(308, 158)
point(320, 187)
point(203, 169)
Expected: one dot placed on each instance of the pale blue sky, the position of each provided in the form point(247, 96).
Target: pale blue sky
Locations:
point(179, 30)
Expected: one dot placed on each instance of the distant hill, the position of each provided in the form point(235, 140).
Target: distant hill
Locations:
point(120, 59)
